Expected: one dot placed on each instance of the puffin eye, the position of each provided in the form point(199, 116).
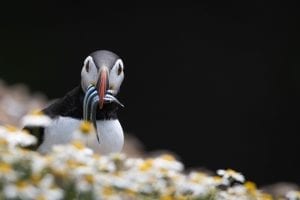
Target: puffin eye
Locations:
point(87, 66)
point(120, 69)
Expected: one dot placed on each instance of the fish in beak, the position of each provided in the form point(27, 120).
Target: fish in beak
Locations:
point(97, 96)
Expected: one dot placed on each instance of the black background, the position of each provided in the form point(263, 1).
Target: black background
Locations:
point(215, 82)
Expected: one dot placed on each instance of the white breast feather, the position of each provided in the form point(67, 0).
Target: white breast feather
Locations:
point(61, 131)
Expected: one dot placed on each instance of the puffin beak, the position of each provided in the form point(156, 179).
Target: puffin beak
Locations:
point(102, 85)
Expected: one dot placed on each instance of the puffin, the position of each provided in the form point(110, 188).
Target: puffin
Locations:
point(94, 100)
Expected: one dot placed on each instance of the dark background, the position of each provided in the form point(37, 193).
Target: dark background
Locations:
point(215, 82)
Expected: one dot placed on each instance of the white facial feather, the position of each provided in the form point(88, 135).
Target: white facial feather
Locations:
point(115, 77)
point(89, 73)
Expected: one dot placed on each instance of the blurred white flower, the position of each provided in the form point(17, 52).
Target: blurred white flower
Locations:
point(202, 178)
point(20, 190)
point(167, 162)
point(194, 189)
point(15, 137)
point(293, 195)
point(229, 176)
point(7, 173)
point(47, 189)
point(36, 119)
point(84, 178)
point(104, 164)
point(74, 171)
point(39, 164)
point(108, 193)
point(238, 190)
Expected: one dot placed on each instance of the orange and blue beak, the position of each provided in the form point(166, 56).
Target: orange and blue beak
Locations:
point(102, 86)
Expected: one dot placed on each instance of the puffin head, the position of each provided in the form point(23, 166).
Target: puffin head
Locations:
point(105, 71)
point(101, 77)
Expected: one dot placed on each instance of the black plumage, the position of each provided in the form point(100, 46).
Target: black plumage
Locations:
point(99, 63)
point(71, 105)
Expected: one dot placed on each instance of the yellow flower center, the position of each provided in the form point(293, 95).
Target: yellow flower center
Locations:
point(73, 163)
point(166, 197)
point(231, 172)
point(86, 127)
point(168, 157)
point(3, 142)
point(107, 191)
point(36, 112)
point(5, 168)
point(198, 177)
point(41, 197)
point(61, 173)
point(181, 197)
point(217, 179)
point(146, 165)
point(89, 178)
point(265, 196)
point(22, 184)
point(96, 156)
point(130, 192)
point(11, 128)
point(35, 178)
point(250, 186)
point(78, 144)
